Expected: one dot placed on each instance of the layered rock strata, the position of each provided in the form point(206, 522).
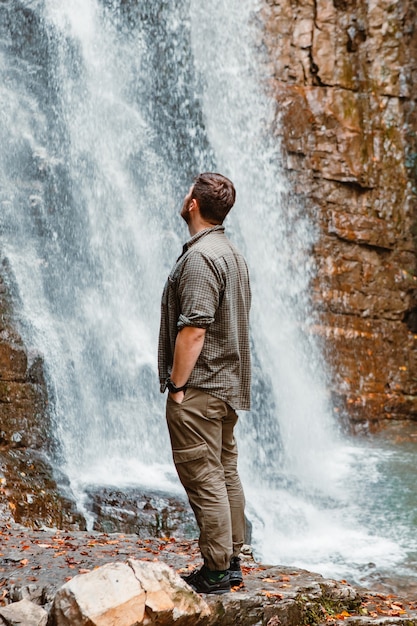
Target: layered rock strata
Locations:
point(343, 74)
point(28, 487)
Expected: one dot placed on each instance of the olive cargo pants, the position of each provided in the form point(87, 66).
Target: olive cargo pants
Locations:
point(205, 456)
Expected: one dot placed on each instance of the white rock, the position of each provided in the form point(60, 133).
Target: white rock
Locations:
point(128, 594)
point(107, 596)
point(23, 613)
point(167, 595)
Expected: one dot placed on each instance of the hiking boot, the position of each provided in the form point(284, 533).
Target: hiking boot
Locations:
point(235, 573)
point(205, 581)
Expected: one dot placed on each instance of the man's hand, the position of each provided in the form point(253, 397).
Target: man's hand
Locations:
point(177, 397)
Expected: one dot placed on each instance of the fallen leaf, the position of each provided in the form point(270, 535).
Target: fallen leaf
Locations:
point(272, 594)
point(342, 615)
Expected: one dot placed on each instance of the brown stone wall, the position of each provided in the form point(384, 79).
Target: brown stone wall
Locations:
point(28, 489)
point(344, 75)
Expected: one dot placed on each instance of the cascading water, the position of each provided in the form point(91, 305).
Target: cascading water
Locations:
point(108, 110)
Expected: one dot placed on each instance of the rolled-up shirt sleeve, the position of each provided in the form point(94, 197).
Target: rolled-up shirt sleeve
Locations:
point(200, 289)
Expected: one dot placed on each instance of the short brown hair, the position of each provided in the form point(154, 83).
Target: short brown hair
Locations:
point(215, 194)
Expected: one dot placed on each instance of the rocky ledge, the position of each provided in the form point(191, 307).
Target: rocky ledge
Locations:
point(59, 579)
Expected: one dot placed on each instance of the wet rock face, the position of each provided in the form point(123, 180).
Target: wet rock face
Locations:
point(134, 511)
point(28, 487)
point(343, 74)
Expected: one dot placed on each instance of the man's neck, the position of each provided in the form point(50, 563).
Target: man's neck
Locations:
point(195, 228)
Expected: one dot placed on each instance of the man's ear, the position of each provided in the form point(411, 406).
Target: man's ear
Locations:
point(193, 206)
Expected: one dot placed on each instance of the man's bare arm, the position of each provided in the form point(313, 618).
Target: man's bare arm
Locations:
point(188, 345)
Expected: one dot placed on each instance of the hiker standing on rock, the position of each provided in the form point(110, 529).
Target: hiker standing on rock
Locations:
point(204, 362)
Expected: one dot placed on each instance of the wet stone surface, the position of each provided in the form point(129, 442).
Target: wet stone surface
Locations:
point(146, 514)
point(35, 564)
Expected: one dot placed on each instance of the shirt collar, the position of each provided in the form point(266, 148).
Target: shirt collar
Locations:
point(200, 235)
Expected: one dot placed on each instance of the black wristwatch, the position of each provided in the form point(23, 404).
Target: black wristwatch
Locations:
point(172, 388)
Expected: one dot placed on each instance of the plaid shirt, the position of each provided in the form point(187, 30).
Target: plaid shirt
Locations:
point(209, 288)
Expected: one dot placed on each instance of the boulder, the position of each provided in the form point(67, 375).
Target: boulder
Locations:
point(127, 594)
point(169, 600)
point(107, 596)
point(147, 514)
point(23, 613)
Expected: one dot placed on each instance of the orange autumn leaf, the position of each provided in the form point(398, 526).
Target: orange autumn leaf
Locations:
point(397, 612)
point(272, 594)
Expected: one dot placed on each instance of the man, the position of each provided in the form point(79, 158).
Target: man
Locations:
point(204, 361)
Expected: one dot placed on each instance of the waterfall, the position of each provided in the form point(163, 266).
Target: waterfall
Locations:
point(109, 109)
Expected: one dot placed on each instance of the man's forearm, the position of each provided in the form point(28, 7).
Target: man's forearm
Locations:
point(188, 346)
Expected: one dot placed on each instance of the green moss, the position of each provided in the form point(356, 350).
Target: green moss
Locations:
point(316, 612)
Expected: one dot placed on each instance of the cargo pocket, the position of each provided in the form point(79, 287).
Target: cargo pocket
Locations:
point(192, 464)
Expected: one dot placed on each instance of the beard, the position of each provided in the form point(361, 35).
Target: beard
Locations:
point(185, 214)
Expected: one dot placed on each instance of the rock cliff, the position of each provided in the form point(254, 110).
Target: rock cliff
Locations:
point(28, 487)
point(343, 73)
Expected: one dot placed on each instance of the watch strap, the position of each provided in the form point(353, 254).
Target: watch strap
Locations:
point(172, 388)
